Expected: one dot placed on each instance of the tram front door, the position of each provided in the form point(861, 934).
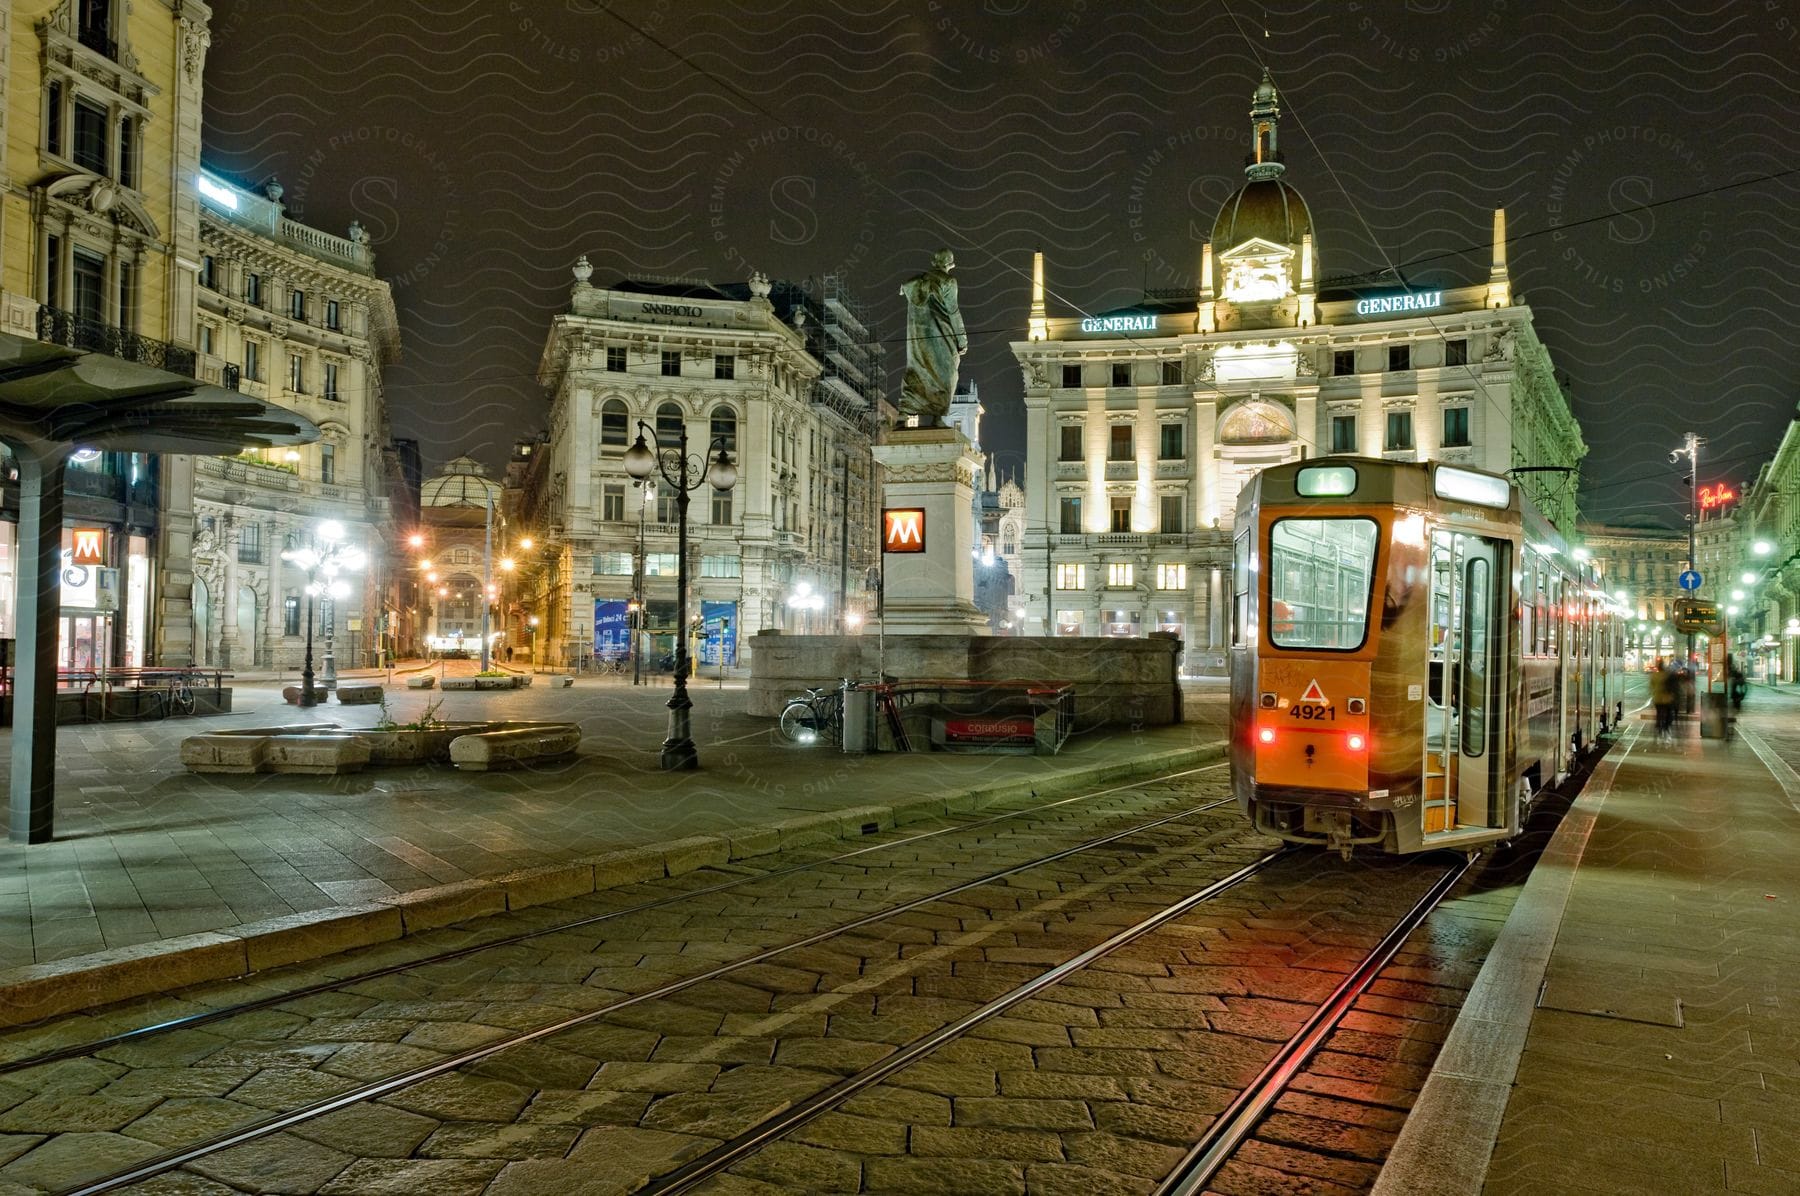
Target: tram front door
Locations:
point(1465, 714)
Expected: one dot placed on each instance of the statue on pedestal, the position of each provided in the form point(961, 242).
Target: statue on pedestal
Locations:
point(935, 342)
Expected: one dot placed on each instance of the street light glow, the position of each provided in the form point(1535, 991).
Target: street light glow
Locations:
point(417, 541)
point(1762, 548)
point(1737, 595)
point(1748, 578)
point(506, 564)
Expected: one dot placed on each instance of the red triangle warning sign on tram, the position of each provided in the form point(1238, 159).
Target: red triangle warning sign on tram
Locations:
point(1313, 692)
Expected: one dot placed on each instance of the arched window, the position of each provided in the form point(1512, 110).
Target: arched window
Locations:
point(614, 419)
point(668, 424)
point(724, 426)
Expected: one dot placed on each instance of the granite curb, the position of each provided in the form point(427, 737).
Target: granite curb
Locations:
point(1454, 1125)
point(34, 992)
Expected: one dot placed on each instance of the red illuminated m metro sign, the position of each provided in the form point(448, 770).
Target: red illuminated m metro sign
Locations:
point(89, 547)
point(903, 529)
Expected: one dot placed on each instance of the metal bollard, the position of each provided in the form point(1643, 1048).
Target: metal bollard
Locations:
point(857, 705)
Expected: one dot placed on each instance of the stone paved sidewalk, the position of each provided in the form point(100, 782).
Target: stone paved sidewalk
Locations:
point(1656, 1053)
point(146, 852)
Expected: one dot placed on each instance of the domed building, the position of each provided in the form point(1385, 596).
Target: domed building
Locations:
point(1143, 423)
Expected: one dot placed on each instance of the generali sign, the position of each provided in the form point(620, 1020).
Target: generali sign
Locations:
point(903, 529)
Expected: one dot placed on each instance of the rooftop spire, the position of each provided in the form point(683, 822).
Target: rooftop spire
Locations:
point(1265, 113)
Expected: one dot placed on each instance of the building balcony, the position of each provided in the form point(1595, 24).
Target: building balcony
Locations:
point(1174, 469)
point(1121, 471)
point(1071, 469)
point(58, 327)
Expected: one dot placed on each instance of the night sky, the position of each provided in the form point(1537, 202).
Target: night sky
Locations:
point(484, 144)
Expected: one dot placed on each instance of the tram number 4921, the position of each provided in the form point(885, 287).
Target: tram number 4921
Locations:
point(1311, 713)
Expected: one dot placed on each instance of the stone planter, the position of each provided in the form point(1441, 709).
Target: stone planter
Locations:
point(422, 681)
point(400, 746)
point(507, 682)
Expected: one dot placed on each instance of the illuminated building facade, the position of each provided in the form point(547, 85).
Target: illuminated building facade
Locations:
point(299, 317)
point(1143, 424)
point(792, 379)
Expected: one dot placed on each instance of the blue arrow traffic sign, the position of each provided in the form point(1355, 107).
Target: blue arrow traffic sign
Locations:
point(1689, 579)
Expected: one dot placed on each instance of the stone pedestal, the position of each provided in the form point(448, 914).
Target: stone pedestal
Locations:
point(932, 592)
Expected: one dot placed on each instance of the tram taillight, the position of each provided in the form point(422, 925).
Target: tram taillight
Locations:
point(1266, 735)
point(1357, 743)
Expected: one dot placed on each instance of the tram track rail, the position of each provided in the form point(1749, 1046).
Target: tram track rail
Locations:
point(1227, 1132)
point(224, 1013)
point(709, 1165)
point(182, 1156)
point(1237, 1123)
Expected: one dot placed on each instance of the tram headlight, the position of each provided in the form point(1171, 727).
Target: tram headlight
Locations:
point(1357, 743)
point(1266, 735)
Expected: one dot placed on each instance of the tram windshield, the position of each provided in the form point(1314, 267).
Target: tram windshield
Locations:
point(1321, 577)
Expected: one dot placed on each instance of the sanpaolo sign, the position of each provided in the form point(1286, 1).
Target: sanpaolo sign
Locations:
point(1131, 322)
point(673, 309)
point(1385, 305)
point(903, 529)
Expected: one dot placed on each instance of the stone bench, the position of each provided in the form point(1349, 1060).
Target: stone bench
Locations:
point(422, 681)
point(492, 750)
point(325, 754)
point(561, 681)
point(358, 695)
point(511, 681)
point(224, 752)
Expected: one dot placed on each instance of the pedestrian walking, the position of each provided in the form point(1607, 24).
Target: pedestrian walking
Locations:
point(1738, 683)
point(1663, 686)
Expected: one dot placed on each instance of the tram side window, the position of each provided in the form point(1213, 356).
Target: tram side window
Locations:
point(1240, 587)
point(1321, 576)
point(1540, 620)
point(1554, 644)
point(1526, 622)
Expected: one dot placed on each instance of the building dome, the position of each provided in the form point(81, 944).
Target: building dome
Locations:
point(1269, 208)
point(463, 483)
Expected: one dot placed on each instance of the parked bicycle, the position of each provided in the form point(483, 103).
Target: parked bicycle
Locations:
point(178, 696)
point(817, 715)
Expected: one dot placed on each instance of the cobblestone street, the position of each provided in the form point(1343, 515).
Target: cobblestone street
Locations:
point(694, 1007)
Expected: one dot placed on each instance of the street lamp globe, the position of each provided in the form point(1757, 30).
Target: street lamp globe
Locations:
point(1748, 578)
point(1737, 595)
point(1762, 548)
point(722, 475)
point(416, 541)
point(525, 543)
point(639, 460)
point(331, 531)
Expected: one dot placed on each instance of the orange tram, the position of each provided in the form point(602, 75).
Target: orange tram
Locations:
point(1414, 655)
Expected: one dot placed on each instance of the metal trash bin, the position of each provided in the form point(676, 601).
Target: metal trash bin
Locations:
point(858, 703)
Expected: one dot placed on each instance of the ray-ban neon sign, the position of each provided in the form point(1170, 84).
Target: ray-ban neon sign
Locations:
point(1712, 497)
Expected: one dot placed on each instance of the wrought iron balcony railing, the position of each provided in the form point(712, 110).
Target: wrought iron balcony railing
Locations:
point(99, 41)
point(65, 328)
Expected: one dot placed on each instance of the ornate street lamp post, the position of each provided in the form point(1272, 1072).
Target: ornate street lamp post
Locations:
point(686, 474)
point(322, 561)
